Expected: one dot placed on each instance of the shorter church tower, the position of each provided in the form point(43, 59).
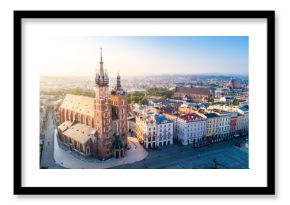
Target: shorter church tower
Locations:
point(120, 115)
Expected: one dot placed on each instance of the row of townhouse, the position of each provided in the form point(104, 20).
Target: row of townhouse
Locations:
point(154, 130)
point(213, 126)
point(218, 126)
point(193, 128)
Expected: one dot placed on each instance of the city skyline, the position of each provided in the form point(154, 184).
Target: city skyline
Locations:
point(150, 55)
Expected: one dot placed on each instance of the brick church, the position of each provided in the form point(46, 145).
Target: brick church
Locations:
point(96, 127)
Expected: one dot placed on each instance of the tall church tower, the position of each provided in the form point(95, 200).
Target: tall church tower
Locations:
point(103, 114)
point(120, 131)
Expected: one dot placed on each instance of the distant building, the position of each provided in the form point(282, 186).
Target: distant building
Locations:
point(234, 84)
point(219, 93)
point(186, 110)
point(157, 102)
point(227, 99)
point(196, 94)
point(243, 102)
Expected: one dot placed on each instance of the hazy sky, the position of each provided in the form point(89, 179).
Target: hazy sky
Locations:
point(152, 55)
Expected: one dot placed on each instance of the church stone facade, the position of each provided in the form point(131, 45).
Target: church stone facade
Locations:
point(106, 115)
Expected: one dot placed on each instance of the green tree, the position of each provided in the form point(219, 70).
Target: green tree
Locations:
point(144, 100)
point(137, 97)
point(159, 92)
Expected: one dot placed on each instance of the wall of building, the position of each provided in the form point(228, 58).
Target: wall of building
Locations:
point(120, 103)
point(164, 134)
point(189, 132)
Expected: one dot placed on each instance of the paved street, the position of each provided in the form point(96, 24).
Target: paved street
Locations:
point(47, 160)
point(72, 160)
point(225, 155)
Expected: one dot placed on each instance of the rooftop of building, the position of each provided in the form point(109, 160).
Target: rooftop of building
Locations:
point(191, 117)
point(65, 125)
point(161, 119)
point(195, 90)
point(244, 108)
point(169, 109)
point(79, 103)
point(171, 116)
point(220, 111)
point(211, 115)
point(224, 112)
point(78, 131)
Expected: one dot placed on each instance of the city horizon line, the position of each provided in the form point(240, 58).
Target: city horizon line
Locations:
point(146, 75)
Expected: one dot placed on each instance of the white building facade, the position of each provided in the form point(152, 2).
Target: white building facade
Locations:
point(243, 121)
point(146, 131)
point(212, 126)
point(154, 131)
point(224, 125)
point(191, 129)
point(164, 131)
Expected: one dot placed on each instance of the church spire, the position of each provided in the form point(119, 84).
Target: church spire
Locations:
point(118, 82)
point(102, 77)
point(101, 64)
point(118, 90)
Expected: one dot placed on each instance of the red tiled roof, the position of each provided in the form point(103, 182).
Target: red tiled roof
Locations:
point(191, 117)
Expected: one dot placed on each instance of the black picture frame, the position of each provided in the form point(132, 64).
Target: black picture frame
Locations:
point(268, 190)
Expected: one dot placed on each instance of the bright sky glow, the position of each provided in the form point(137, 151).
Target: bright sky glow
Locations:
point(140, 55)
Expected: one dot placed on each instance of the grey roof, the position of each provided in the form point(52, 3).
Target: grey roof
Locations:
point(211, 115)
point(65, 125)
point(79, 132)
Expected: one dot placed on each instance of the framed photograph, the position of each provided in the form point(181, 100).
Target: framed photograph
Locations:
point(144, 102)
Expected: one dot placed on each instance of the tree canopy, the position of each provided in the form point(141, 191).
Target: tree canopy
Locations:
point(160, 92)
point(63, 91)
